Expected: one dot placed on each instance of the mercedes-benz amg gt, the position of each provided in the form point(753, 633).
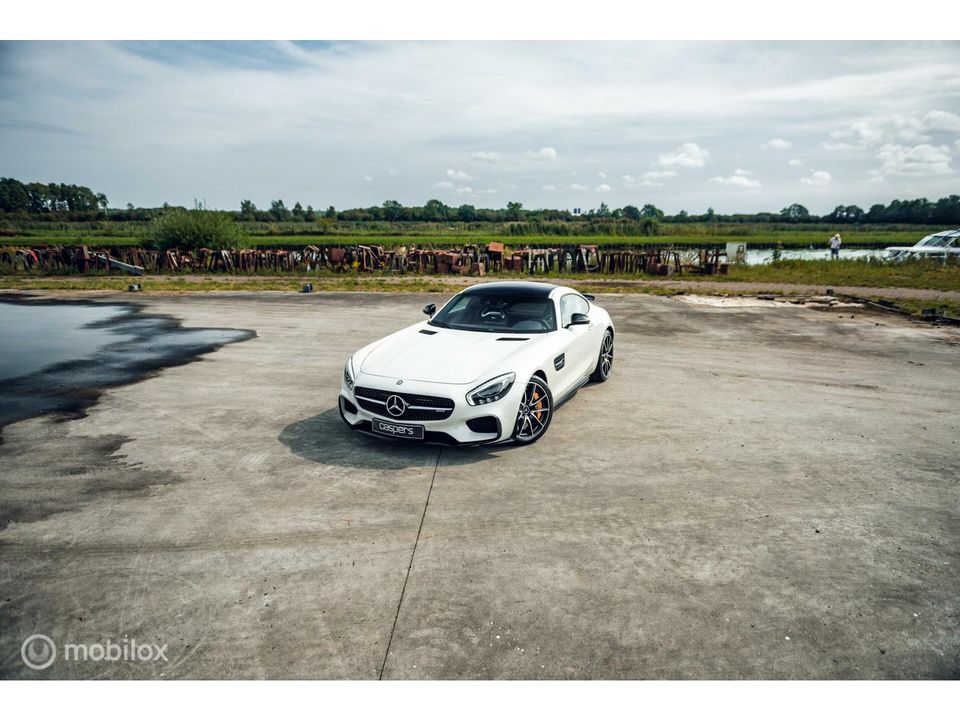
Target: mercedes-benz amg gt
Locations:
point(491, 365)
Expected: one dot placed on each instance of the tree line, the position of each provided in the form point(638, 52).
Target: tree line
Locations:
point(62, 201)
point(43, 198)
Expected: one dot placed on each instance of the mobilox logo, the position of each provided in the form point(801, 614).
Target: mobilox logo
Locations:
point(39, 651)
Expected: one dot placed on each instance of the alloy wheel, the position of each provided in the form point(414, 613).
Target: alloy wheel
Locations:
point(534, 414)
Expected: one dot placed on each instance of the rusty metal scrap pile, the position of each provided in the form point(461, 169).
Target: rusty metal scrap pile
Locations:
point(470, 260)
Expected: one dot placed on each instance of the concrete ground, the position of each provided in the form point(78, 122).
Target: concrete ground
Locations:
point(758, 492)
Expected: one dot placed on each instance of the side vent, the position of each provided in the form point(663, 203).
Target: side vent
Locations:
point(510, 339)
point(428, 332)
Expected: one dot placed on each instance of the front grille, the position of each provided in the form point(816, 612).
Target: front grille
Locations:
point(419, 407)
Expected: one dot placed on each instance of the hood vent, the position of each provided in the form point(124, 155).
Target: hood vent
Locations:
point(428, 332)
point(510, 339)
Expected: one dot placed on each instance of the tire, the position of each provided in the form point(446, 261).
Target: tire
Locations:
point(535, 413)
point(605, 359)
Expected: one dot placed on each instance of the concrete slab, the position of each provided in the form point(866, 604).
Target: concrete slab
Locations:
point(758, 492)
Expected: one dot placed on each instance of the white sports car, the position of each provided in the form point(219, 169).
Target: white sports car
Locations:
point(490, 366)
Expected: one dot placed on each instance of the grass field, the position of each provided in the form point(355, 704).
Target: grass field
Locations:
point(758, 238)
point(928, 275)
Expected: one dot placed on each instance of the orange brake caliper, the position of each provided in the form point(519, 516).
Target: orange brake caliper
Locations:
point(539, 405)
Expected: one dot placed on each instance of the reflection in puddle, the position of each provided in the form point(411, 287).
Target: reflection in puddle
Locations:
point(56, 356)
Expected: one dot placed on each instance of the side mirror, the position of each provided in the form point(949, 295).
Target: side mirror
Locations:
point(429, 309)
point(578, 319)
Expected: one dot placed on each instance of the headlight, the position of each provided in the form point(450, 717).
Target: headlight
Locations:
point(491, 390)
point(348, 374)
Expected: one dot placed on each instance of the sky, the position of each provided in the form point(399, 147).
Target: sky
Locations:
point(737, 126)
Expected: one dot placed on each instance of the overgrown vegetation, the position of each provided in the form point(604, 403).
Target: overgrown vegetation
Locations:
point(194, 229)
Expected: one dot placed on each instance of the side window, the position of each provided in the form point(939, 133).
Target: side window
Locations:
point(459, 305)
point(570, 304)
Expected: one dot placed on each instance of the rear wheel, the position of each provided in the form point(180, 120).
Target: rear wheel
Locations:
point(605, 361)
point(536, 410)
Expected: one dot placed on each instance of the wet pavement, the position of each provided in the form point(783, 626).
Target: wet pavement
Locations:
point(57, 356)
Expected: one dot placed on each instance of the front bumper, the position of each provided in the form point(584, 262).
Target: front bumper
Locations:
point(452, 430)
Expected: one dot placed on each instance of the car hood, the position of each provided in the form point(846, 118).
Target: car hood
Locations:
point(450, 356)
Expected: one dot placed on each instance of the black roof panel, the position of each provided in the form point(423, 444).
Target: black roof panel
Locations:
point(536, 289)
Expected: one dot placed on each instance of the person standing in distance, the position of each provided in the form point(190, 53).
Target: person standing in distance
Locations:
point(835, 243)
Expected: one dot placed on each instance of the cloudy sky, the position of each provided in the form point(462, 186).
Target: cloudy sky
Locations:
point(737, 126)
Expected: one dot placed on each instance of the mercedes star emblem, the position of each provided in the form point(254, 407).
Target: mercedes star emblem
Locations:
point(396, 406)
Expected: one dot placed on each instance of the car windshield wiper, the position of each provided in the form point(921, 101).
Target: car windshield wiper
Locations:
point(437, 323)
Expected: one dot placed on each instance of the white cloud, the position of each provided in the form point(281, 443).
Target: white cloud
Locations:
point(651, 183)
point(602, 175)
point(875, 176)
point(603, 188)
point(444, 185)
point(544, 153)
point(656, 174)
point(486, 156)
point(487, 191)
point(687, 155)
point(367, 178)
point(894, 129)
point(917, 160)
point(776, 144)
point(628, 180)
point(736, 181)
point(742, 172)
point(818, 178)
point(464, 191)
point(796, 162)
point(941, 120)
point(549, 188)
point(578, 187)
point(838, 146)
point(393, 171)
point(507, 186)
point(458, 175)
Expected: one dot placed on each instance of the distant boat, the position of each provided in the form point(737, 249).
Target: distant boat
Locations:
point(941, 245)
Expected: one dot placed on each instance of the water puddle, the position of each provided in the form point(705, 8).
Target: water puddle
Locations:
point(58, 356)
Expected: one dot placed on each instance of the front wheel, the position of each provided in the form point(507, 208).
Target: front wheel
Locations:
point(536, 410)
point(605, 361)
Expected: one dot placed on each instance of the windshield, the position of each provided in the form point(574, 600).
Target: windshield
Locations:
point(499, 312)
point(938, 240)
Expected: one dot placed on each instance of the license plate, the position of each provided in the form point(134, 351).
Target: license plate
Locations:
point(411, 432)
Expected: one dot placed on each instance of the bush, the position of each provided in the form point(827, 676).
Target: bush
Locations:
point(194, 229)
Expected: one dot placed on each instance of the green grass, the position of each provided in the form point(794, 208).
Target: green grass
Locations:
point(916, 307)
point(207, 283)
point(921, 274)
point(678, 235)
point(863, 273)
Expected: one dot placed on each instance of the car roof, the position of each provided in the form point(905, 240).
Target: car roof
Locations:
point(532, 289)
